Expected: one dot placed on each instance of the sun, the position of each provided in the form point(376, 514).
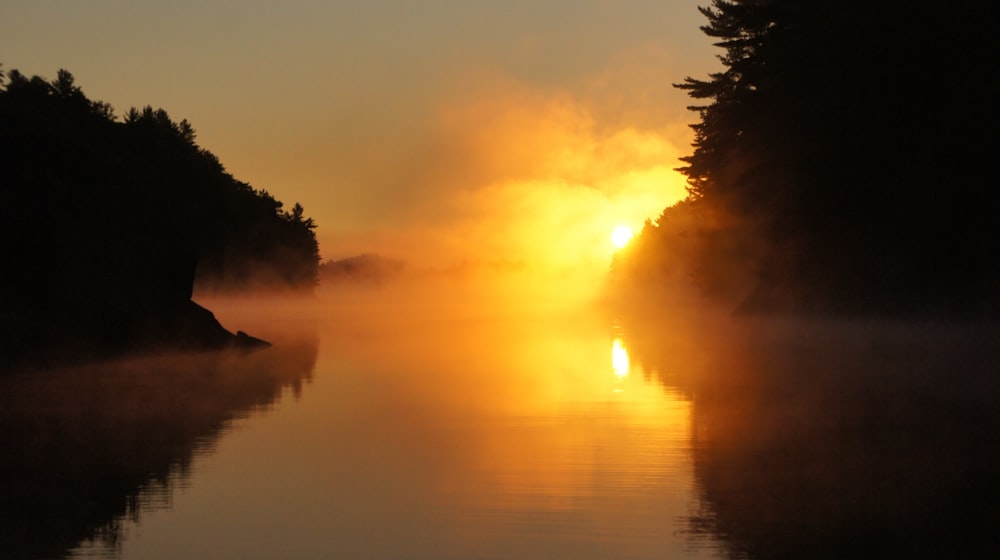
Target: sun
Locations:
point(620, 236)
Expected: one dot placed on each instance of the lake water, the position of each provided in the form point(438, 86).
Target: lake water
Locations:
point(367, 432)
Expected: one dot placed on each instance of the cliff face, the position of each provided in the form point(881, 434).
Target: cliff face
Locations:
point(105, 296)
point(96, 262)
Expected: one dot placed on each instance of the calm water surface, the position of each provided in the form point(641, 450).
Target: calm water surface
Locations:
point(367, 434)
point(416, 438)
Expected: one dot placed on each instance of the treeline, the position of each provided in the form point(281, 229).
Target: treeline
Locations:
point(843, 162)
point(371, 269)
point(71, 169)
point(106, 224)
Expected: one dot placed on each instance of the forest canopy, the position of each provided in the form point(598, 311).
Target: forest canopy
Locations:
point(107, 224)
point(67, 160)
point(841, 163)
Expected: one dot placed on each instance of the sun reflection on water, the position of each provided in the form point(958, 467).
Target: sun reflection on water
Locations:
point(458, 438)
point(619, 358)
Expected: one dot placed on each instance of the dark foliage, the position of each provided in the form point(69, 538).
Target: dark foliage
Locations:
point(79, 166)
point(104, 224)
point(844, 154)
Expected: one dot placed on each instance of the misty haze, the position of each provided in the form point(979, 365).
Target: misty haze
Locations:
point(562, 280)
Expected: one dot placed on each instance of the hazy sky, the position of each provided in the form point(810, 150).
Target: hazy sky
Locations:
point(497, 131)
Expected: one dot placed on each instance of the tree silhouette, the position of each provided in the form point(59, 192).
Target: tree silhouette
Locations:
point(850, 143)
point(241, 235)
point(106, 225)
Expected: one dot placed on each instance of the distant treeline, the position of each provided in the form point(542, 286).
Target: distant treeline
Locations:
point(844, 161)
point(367, 268)
point(71, 170)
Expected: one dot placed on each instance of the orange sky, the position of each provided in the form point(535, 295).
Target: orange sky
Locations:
point(430, 130)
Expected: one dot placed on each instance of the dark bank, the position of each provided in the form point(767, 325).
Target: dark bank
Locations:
point(109, 224)
point(842, 165)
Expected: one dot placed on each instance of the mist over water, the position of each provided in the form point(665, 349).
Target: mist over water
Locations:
point(90, 450)
point(505, 415)
point(483, 371)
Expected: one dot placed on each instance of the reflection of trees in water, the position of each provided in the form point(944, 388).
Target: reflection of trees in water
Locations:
point(85, 449)
point(839, 439)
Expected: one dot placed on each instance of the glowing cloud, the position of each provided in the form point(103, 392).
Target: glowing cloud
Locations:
point(512, 174)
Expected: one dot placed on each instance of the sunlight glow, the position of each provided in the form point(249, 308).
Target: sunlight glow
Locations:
point(620, 236)
point(528, 190)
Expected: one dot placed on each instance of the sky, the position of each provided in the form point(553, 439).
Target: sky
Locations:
point(442, 132)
